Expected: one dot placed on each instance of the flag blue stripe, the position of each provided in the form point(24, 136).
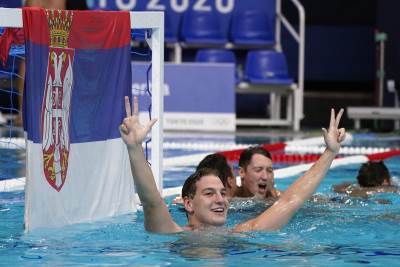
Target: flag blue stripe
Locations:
point(101, 80)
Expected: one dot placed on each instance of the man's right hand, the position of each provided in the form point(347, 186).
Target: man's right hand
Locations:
point(132, 132)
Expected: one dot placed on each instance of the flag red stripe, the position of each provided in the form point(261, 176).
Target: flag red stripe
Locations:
point(89, 29)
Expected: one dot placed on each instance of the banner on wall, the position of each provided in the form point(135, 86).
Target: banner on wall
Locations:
point(197, 96)
point(175, 8)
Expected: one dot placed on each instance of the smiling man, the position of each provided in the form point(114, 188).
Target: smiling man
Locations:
point(203, 193)
point(205, 199)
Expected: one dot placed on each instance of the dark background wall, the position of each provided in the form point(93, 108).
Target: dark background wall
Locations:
point(388, 20)
point(335, 12)
point(341, 52)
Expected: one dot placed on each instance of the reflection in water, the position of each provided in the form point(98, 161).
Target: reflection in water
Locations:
point(219, 243)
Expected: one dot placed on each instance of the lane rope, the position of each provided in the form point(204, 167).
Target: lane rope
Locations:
point(311, 145)
point(19, 183)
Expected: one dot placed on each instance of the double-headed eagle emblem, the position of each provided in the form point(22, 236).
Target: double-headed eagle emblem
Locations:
point(57, 99)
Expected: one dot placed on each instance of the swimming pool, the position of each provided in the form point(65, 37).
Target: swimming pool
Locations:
point(337, 232)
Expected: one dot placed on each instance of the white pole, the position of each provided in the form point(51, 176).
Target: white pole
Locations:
point(278, 45)
point(157, 74)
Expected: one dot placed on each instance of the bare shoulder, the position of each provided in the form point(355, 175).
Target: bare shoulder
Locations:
point(387, 189)
point(343, 187)
point(366, 191)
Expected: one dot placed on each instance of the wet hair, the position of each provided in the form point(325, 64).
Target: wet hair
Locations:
point(373, 173)
point(247, 154)
point(219, 163)
point(189, 187)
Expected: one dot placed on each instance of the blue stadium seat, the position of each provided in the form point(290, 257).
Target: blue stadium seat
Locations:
point(171, 29)
point(202, 28)
point(218, 55)
point(267, 67)
point(215, 55)
point(251, 27)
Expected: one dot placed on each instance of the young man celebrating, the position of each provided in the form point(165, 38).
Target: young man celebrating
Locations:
point(257, 174)
point(204, 195)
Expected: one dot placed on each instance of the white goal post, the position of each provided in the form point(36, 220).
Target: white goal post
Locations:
point(12, 17)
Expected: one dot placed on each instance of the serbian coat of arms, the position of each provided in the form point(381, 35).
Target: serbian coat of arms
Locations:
point(57, 99)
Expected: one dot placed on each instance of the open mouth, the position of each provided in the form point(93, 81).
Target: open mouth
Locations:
point(262, 187)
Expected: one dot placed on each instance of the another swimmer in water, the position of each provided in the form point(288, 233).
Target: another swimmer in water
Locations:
point(225, 172)
point(373, 177)
point(257, 174)
point(219, 163)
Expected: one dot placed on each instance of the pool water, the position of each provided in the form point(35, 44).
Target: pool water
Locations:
point(334, 231)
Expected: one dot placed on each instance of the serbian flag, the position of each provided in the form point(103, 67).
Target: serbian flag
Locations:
point(77, 73)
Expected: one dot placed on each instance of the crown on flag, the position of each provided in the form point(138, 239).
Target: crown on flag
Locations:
point(59, 25)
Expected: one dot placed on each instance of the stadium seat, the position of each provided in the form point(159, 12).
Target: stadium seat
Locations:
point(251, 27)
point(202, 28)
point(215, 55)
point(267, 67)
point(171, 29)
point(218, 55)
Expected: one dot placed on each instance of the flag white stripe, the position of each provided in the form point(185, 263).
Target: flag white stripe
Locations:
point(98, 184)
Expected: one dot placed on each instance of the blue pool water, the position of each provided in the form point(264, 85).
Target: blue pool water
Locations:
point(335, 231)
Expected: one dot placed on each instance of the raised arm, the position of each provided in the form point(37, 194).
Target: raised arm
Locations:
point(302, 189)
point(156, 215)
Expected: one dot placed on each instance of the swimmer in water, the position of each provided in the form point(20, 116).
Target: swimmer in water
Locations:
point(373, 177)
point(203, 193)
point(256, 174)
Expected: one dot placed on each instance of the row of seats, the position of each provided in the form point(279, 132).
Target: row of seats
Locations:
point(261, 66)
point(250, 27)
